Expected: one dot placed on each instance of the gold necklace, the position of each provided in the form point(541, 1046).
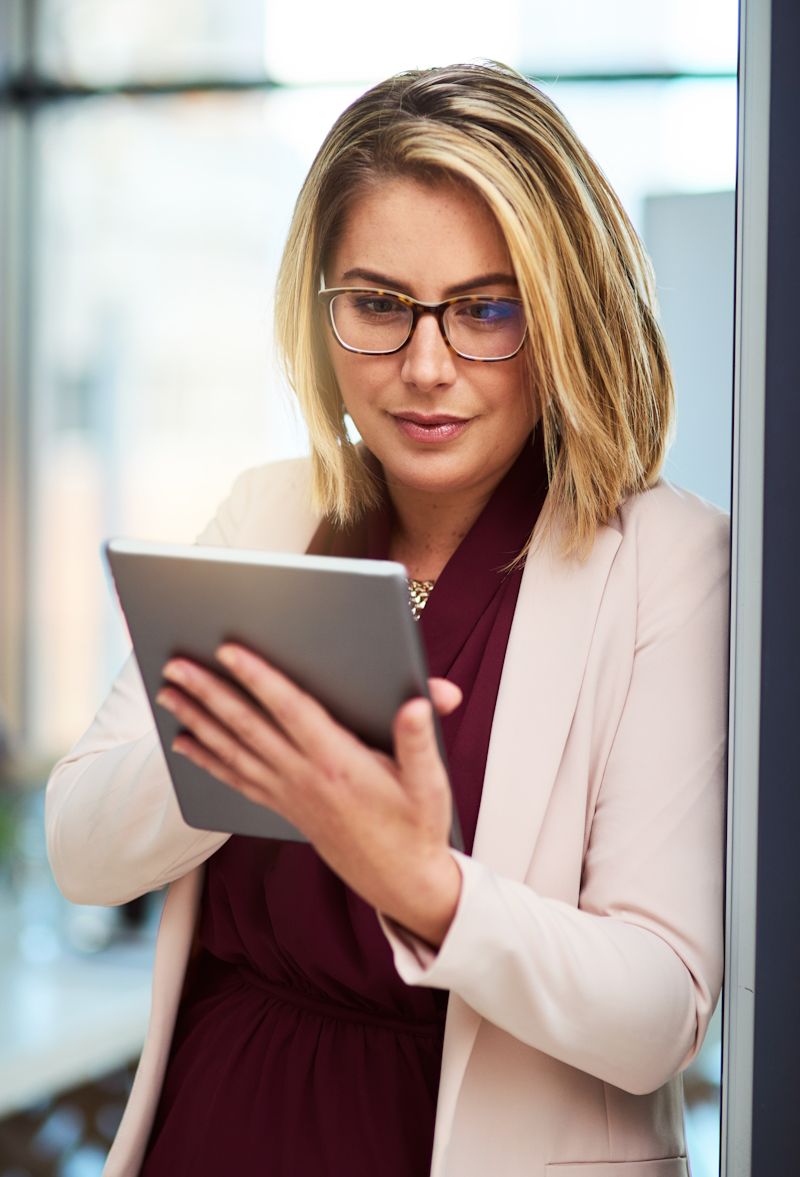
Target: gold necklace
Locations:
point(418, 593)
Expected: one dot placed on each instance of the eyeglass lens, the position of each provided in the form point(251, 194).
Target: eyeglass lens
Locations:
point(485, 328)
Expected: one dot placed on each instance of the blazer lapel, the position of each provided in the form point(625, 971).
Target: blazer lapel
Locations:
point(547, 651)
point(545, 659)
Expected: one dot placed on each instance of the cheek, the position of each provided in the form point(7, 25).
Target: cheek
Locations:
point(360, 379)
point(509, 393)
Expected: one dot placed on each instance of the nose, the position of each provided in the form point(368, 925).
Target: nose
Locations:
point(428, 362)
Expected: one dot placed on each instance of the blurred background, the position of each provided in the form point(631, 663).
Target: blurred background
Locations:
point(150, 156)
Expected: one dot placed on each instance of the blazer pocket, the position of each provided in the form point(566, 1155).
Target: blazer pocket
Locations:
point(666, 1167)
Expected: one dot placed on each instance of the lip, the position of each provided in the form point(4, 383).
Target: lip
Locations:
point(431, 418)
point(430, 429)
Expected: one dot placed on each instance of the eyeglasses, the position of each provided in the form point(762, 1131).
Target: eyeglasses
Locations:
point(380, 322)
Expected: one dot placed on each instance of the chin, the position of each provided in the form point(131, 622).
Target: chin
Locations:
point(433, 473)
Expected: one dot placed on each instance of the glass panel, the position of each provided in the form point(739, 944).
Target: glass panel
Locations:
point(99, 42)
point(398, 37)
point(626, 35)
point(573, 36)
point(656, 137)
point(105, 41)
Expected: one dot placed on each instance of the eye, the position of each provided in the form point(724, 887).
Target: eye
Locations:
point(377, 306)
point(487, 311)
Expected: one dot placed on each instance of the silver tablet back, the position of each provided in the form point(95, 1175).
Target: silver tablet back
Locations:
point(342, 629)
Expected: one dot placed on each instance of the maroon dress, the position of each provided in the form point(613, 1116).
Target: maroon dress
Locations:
point(298, 1050)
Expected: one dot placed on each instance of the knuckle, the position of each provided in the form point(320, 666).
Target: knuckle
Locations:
point(238, 759)
point(418, 742)
point(250, 727)
point(199, 686)
point(286, 709)
point(440, 785)
point(332, 772)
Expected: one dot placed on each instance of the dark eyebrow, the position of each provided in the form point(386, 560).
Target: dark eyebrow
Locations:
point(496, 278)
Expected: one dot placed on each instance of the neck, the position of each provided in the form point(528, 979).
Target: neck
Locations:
point(429, 528)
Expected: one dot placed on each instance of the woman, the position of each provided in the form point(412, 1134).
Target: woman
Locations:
point(462, 283)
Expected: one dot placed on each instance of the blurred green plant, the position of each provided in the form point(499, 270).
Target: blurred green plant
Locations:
point(9, 823)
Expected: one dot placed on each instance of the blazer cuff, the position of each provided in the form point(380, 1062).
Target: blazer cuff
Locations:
point(419, 963)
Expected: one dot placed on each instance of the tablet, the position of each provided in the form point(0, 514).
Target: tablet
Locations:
point(342, 629)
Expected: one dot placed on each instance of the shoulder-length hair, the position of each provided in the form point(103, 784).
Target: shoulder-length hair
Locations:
point(597, 362)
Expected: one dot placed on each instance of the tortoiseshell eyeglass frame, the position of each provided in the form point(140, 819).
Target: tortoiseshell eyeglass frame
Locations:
point(418, 308)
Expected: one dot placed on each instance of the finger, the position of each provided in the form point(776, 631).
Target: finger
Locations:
point(298, 714)
point(203, 757)
point(211, 735)
point(416, 749)
point(235, 712)
point(445, 695)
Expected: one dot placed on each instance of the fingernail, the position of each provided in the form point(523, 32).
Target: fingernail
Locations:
point(164, 700)
point(175, 671)
point(227, 656)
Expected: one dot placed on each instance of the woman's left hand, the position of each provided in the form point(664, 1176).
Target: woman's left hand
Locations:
point(381, 824)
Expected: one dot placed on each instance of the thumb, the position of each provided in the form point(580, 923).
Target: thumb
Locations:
point(415, 747)
point(445, 695)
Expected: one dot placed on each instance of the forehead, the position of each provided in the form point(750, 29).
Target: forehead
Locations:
point(423, 233)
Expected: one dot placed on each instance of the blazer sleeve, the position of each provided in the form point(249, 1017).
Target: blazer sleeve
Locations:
point(623, 985)
point(114, 829)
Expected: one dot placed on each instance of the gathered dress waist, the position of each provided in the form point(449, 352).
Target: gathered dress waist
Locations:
point(323, 1006)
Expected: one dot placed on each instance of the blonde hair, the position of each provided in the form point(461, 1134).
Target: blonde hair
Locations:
point(597, 362)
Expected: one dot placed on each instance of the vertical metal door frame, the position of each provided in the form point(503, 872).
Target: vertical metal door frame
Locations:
point(776, 1053)
point(761, 1049)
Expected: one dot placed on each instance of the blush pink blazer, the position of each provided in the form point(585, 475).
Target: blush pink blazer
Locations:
point(585, 958)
